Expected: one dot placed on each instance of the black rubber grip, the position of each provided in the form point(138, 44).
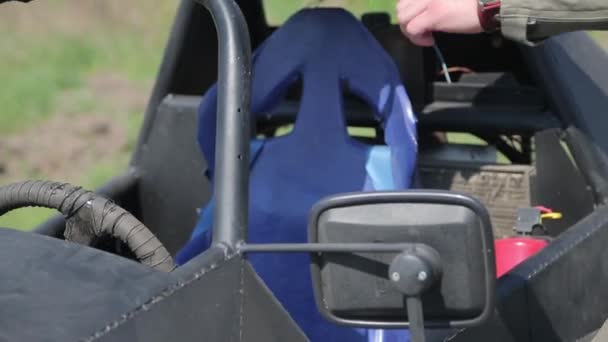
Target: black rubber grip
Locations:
point(104, 216)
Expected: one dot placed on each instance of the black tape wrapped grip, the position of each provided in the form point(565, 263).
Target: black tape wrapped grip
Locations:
point(88, 215)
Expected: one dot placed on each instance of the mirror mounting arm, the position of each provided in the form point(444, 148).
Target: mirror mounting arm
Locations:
point(416, 317)
point(413, 272)
point(325, 247)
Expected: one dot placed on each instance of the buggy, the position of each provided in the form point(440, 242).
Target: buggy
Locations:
point(317, 191)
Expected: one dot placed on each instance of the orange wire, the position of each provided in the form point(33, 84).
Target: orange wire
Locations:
point(464, 70)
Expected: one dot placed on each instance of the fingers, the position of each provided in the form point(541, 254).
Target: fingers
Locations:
point(409, 9)
point(425, 39)
point(420, 25)
point(419, 18)
point(420, 29)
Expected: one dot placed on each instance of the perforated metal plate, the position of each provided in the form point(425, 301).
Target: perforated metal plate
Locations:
point(502, 188)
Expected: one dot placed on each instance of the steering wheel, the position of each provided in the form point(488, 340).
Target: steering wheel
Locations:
point(88, 215)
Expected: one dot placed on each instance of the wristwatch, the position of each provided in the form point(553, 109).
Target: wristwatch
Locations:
point(488, 11)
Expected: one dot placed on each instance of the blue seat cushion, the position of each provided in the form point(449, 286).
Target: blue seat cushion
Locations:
point(327, 49)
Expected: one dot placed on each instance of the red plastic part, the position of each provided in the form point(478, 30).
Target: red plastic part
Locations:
point(510, 252)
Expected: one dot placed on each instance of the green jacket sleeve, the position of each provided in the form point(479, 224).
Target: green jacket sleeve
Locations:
point(532, 21)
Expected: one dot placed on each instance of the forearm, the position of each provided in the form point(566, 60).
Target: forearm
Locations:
point(530, 22)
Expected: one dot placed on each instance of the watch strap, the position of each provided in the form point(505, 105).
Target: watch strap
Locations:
point(488, 11)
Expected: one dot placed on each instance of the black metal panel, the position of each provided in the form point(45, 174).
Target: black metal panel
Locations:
point(450, 116)
point(204, 308)
point(567, 282)
point(172, 184)
point(571, 68)
point(485, 119)
point(197, 60)
point(264, 319)
point(565, 289)
point(591, 160)
point(53, 290)
point(559, 184)
point(170, 62)
point(489, 92)
point(227, 302)
point(509, 322)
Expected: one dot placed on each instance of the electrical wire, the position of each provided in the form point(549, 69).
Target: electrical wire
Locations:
point(444, 66)
point(460, 69)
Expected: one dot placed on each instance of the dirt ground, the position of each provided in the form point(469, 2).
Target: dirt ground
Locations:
point(70, 142)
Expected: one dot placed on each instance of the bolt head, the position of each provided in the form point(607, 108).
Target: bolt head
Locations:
point(422, 276)
point(395, 276)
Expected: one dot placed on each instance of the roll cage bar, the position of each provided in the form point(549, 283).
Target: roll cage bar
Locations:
point(231, 188)
point(232, 145)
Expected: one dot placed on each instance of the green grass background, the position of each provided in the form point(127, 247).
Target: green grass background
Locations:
point(48, 48)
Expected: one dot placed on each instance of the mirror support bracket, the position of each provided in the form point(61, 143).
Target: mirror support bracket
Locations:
point(416, 317)
point(412, 272)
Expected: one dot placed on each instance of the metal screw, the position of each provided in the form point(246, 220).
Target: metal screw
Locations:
point(395, 276)
point(422, 276)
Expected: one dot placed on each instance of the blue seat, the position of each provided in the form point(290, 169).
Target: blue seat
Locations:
point(326, 49)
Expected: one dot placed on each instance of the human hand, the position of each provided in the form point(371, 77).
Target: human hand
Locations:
point(418, 19)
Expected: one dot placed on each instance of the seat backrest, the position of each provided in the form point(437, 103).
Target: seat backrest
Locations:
point(327, 49)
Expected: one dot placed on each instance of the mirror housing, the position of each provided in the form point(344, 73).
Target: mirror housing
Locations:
point(447, 259)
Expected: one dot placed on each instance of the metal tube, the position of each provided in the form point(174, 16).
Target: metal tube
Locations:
point(231, 189)
point(416, 317)
point(326, 247)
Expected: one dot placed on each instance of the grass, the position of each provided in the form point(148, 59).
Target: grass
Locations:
point(470, 139)
point(601, 37)
point(33, 86)
point(41, 59)
point(279, 10)
point(49, 50)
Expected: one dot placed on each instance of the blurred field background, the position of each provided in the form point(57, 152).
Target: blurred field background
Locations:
point(76, 75)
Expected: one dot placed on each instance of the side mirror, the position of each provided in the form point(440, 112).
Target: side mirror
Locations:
point(438, 256)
